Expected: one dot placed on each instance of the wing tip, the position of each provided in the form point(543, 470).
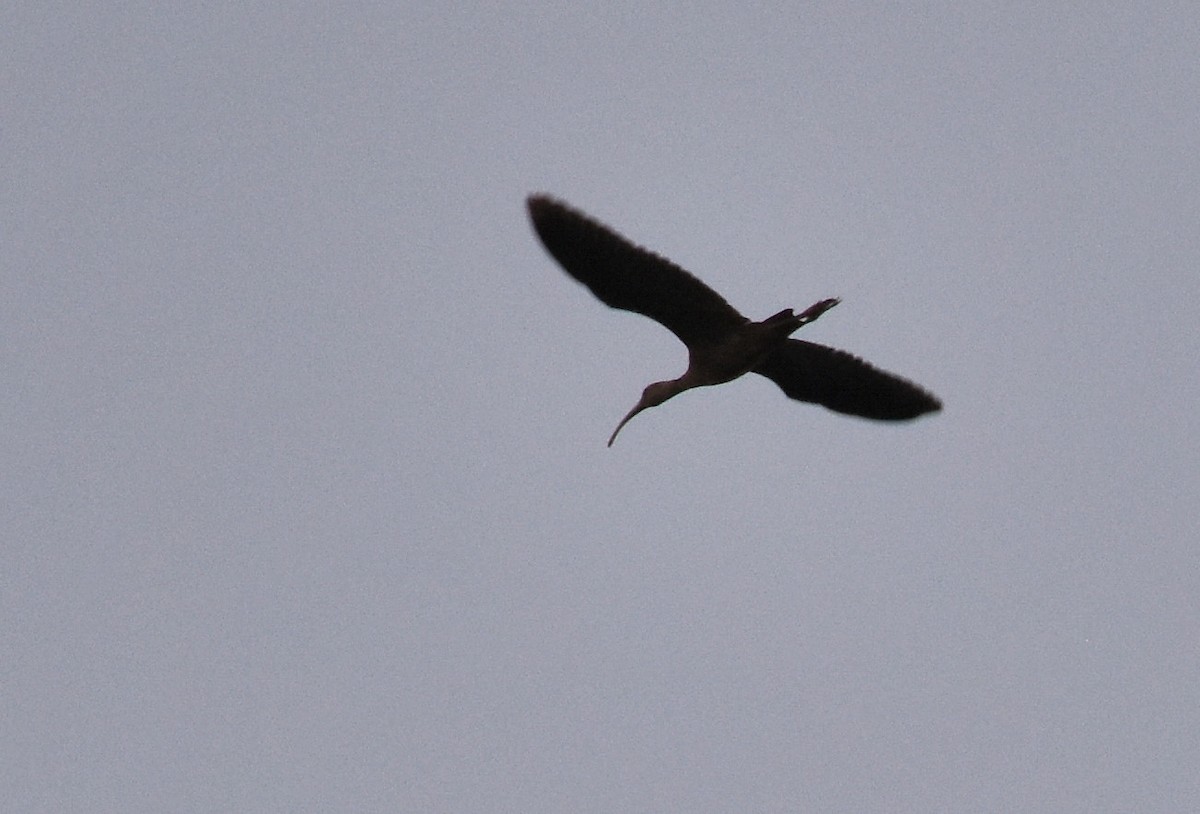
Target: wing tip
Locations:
point(907, 402)
point(541, 204)
point(925, 404)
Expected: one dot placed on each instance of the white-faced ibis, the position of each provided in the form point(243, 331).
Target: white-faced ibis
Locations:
point(722, 344)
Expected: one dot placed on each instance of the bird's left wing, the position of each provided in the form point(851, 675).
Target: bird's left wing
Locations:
point(844, 383)
point(629, 277)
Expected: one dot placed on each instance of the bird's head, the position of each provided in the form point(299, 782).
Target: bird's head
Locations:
point(654, 395)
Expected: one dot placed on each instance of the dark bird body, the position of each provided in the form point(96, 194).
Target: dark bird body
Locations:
point(722, 344)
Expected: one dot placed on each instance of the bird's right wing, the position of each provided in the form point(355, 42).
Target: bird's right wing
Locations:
point(844, 383)
point(629, 277)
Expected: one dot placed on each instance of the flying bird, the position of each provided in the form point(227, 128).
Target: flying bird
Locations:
point(722, 344)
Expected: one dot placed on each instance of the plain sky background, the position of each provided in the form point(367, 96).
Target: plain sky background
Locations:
point(305, 499)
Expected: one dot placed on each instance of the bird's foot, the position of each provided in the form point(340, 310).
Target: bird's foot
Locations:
point(815, 310)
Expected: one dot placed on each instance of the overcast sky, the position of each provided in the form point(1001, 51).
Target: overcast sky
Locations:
point(305, 497)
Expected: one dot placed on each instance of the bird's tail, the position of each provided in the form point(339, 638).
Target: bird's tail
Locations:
point(786, 315)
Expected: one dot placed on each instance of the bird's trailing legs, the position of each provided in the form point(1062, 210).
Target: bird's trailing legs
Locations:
point(815, 310)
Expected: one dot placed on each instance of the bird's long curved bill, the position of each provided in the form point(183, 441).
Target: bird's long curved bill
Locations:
point(637, 409)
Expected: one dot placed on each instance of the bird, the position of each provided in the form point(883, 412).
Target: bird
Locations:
point(722, 344)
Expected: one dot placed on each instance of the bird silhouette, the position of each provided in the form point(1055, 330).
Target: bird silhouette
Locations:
point(722, 344)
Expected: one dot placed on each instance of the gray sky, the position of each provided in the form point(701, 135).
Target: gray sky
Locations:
point(305, 496)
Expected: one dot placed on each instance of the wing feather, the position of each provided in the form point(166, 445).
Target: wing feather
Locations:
point(625, 276)
point(806, 371)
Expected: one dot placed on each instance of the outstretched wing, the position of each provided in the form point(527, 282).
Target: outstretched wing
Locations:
point(629, 277)
point(835, 379)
